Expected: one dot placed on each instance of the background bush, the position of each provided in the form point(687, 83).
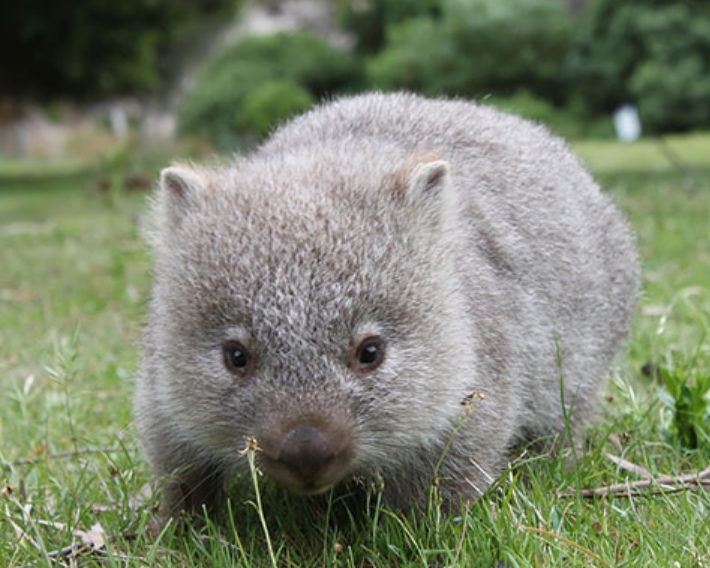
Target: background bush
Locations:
point(652, 53)
point(94, 48)
point(570, 121)
point(253, 76)
point(479, 47)
point(535, 54)
point(270, 103)
point(368, 20)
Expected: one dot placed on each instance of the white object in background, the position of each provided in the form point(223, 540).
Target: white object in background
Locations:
point(118, 121)
point(627, 123)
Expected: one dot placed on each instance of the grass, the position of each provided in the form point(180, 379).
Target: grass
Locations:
point(73, 286)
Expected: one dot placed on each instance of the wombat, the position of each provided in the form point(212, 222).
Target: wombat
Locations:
point(390, 288)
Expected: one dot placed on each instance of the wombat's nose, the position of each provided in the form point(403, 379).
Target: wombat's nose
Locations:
point(306, 451)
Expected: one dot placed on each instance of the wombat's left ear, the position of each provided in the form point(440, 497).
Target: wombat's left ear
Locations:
point(427, 190)
point(427, 180)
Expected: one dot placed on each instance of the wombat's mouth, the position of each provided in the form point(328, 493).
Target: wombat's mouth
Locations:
point(307, 481)
point(309, 458)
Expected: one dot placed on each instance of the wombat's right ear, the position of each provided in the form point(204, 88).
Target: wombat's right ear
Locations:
point(180, 187)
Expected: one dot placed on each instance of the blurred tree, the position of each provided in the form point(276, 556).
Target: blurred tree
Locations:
point(253, 75)
point(652, 53)
point(270, 103)
point(478, 47)
point(368, 20)
point(92, 48)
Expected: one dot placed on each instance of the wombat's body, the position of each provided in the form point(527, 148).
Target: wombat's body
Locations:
point(379, 266)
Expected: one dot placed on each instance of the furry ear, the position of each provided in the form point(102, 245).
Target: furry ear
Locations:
point(428, 193)
point(180, 187)
point(427, 180)
point(181, 184)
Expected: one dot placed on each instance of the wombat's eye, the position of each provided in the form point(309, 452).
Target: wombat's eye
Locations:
point(369, 355)
point(236, 357)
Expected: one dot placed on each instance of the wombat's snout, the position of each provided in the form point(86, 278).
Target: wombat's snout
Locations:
point(306, 452)
point(308, 456)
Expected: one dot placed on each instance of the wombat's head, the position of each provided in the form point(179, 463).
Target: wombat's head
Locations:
point(314, 307)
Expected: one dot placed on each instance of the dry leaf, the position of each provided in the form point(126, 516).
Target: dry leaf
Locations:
point(93, 538)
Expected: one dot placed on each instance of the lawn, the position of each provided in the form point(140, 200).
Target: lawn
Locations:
point(74, 279)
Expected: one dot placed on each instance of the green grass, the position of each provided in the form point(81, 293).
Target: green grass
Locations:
point(73, 285)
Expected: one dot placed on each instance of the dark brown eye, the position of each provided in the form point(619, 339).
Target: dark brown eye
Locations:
point(369, 355)
point(236, 358)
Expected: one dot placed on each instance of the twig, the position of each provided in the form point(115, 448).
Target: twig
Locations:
point(660, 485)
point(22, 535)
point(75, 549)
point(628, 466)
point(70, 454)
point(72, 549)
point(566, 541)
point(221, 540)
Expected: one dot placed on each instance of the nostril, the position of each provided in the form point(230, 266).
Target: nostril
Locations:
point(306, 451)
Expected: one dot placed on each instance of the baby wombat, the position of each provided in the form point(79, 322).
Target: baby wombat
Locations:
point(379, 268)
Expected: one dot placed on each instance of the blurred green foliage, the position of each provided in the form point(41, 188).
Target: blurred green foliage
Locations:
point(93, 48)
point(478, 47)
point(653, 53)
point(252, 75)
point(686, 397)
point(569, 121)
point(269, 103)
point(556, 65)
point(535, 57)
point(369, 20)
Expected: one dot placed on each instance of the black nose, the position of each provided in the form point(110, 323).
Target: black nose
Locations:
point(306, 451)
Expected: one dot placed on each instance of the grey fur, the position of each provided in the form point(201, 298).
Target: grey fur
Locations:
point(473, 241)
